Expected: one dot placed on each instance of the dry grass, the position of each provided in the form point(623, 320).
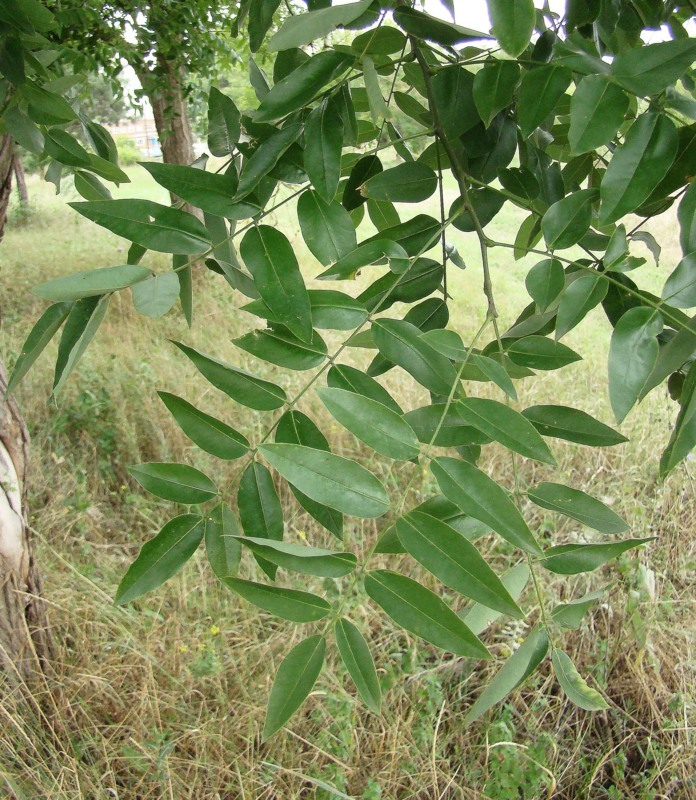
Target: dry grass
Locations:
point(152, 701)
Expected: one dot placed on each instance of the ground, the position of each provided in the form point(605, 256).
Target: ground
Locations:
point(165, 698)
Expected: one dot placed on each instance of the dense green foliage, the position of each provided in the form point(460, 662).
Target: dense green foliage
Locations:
point(578, 122)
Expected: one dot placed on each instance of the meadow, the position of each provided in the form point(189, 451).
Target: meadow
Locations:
point(165, 698)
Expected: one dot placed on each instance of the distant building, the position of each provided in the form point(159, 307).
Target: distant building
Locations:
point(142, 132)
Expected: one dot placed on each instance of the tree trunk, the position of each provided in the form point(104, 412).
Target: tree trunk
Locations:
point(21, 182)
point(6, 163)
point(25, 643)
point(164, 91)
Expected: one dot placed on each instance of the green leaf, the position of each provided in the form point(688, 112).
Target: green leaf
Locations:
point(238, 384)
point(505, 425)
point(302, 29)
point(222, 549)
point(327, 228)
point(632, 355)
point(294, 427)
point(223, 123)
point(91, 282)
point(335, 310)
point(212, 193)
point(486, 204)
point(538, 352)
point(569, 615)
point(680, 288)
point(162, 557)
point(521, 182)
point(271, 260)
point(208, 432)
point(570, 559)
point(279, 346)
point(519, 666)
point(300, 86)
point(260, 21)
point(495, 372)
point(382, 214)
point(513, 24)
point(545, 281)
point(290, 604)
point(81, 324)
point(25, 132)
point(342, 376)
point(597, 110)
point(574, 685)
point(410, 182)
point(479, 617)
point(154, 296)
point(568, 220)
point(686, 216)
point(452, 559)
point(323, 147)
point(184, 272)
point(260, 511)
point(295, 678)
point(572, 425)
point(375, 424)
point(423, 26)
point(265, 158)
point(649, 69)
point(637, 166)
point(59, 144)
point(578, 505)
point(379, 42)
point(578, 299)
point(179, 483)
point(40, 335)
point(540, 90)
point(329, 479)
point(330, 310)
point(443, 426)
point(366, 253)
point(480, 497)
point(683, 438)
point(362, 170)
point(154, 226)
point(422, 612)
point(379, 110)
point(494, 88)
point(400, 342)
point(300, 558)
point(90, 187)
point(453, 100)
point(357, 658)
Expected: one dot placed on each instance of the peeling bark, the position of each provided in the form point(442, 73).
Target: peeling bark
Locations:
point(22, 190)
point(25, 643)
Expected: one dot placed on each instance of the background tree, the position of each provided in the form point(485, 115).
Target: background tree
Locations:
point(164, 42)
point(600, 131)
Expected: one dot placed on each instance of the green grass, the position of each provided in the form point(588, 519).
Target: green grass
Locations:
point(165, 698)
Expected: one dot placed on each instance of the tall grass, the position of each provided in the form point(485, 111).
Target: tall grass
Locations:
point(165, 699)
